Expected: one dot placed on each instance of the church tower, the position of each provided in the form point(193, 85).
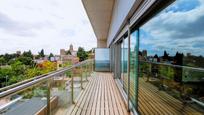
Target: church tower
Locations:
point(71, 48)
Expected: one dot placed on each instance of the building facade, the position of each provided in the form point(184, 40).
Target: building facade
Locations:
point(158, 40)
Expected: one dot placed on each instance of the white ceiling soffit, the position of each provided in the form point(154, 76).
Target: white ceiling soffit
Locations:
point(99, 13)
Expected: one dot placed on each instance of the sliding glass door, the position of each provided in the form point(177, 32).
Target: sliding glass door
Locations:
point(134, 46)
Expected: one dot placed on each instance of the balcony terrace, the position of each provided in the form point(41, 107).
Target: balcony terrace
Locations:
point(149, 60)
point(79, 90)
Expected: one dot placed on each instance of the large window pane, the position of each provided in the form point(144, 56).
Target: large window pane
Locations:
point(133, 67)
point(125, 64)
point(172, 56)
point(122, 61)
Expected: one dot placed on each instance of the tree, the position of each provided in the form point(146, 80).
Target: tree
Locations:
point(51, 55)
point(9, 57)
point(2, 61)
point(26, 60)
point(82, 54)
point(156, 56)
point(166, 56)
point(5, 73)
point(41, 53)
point(32, 72)
point(18, 68)
point(28, 54)
point(47, 66)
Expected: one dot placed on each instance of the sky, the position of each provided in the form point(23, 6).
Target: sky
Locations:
point(179, 27)
point(44, 24)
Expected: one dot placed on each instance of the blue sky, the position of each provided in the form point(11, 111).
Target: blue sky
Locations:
point(180, 27)
point(44, 24)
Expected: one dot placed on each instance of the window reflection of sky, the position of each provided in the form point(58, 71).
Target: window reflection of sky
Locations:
point(180, 27)
point(102, 54)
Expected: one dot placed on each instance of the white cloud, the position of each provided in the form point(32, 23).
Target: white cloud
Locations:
point(177, 30)
point(47, 24)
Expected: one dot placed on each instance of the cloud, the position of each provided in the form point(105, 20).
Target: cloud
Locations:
point(177, 28)
point(13, 27)
point(48, 24)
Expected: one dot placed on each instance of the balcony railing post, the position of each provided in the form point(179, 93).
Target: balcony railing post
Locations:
point(72, 88)
point(91, 66)
point(81, 70)
point(86, 71)
point(48, 97)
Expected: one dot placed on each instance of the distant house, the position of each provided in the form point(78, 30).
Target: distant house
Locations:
point(67, 56)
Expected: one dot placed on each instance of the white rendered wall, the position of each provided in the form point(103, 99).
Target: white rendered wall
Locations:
point(120, 12)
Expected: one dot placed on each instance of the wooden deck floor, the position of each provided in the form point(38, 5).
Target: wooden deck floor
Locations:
point(100, 97)
point(154, 102)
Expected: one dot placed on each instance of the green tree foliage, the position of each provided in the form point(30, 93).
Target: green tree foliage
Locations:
point(26, 60)
point(67, 64)
point(22, 67)
point(9, 57)
point(4, 76)
point(51, 55)
point(2, 61)
point(166, 56)
point(12, 74)
point(81, 53)
point(28, 54)
point(47, 66)
point(166, 72)
point(41, 53)
point(32, 72)
point(18, 68)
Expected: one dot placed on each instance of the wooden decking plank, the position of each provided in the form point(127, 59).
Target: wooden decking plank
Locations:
point(110, 104)
point(161, 107)
point(102, 111)
point(91, 103)
point(77, 104)
point(117, 99)
point(156, 93)
point(93, 109)
point(99, 97)
point(169, 100)
point(152, 103)
point(115, 107)
point(84, 103)
point(106, 98)
point(158, 105)
point(122, 101)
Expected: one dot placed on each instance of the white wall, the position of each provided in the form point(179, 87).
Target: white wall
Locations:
point(120, 12)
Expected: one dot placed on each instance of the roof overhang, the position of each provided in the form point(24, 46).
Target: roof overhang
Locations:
point(100, 14)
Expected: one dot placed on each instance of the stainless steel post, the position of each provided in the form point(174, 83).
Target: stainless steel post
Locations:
point(72, 88)
point(81, 70)
point(48, 97)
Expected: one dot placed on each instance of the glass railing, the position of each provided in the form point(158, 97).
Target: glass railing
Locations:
point(178, 87)
point(50, 94)
point(102, 59)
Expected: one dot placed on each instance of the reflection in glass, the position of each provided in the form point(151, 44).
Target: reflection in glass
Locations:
point(134, 67)
point(171, 50)
point(102, 59)
point(125, 64)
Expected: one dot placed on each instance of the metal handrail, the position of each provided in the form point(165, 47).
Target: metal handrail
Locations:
point(172, 65)
point(39, 79)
